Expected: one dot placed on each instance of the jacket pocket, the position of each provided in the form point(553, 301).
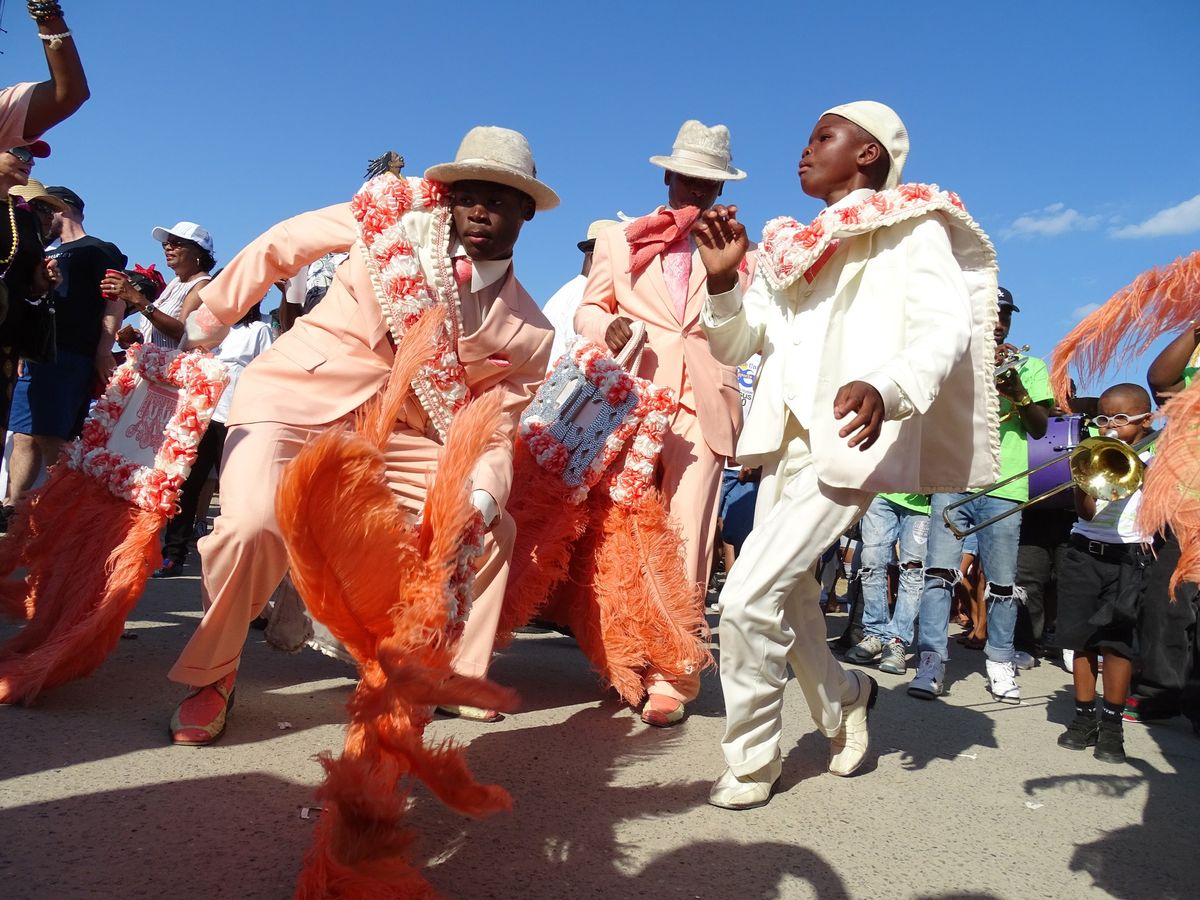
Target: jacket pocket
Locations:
point(304, 355)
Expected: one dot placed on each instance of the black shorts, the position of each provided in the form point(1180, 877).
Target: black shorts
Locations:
point(1098, 599)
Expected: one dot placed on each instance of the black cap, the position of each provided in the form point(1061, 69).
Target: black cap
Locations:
point(66, 195)
point(1006, 301)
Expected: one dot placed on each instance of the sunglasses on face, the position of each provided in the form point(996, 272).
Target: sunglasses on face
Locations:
point(178, 242)
point(22, 154)
point(1118, 420)
point(42, 209)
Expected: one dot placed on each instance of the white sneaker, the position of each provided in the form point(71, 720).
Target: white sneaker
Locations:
point(1024, 660)
point(1002, 681)
point(746, 791)
point(1069, 660)
point(929, 682)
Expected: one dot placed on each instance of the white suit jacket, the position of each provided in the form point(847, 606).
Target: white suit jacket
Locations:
point(902, 314)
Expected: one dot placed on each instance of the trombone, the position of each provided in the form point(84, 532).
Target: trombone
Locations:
point(1105, 468)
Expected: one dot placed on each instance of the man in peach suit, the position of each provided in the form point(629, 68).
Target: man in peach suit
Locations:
point(339, 356)
point(650, 272)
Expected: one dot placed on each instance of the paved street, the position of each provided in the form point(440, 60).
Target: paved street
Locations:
point(960, 798)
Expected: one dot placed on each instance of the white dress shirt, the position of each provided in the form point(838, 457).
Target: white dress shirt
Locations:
point(560, 310)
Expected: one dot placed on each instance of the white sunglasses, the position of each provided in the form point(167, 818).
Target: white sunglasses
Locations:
point(1118, 420)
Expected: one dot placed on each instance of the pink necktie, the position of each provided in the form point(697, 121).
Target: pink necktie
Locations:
point(462, 273)
point(677, 272)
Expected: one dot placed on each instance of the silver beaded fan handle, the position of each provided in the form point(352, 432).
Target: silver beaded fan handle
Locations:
point(630, 357)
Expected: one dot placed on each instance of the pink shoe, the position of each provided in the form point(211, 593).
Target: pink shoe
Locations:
point(200, 719)
point(662, 711)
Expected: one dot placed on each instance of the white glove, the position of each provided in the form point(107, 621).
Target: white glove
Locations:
point(202, 330)
point(486, 504)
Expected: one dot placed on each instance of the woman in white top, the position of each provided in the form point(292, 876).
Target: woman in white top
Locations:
point(189, 252)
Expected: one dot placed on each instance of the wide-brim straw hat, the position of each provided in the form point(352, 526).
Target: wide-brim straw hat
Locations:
point(498, 155)
point(701, 152)
point(593, 232)
point(35, 190)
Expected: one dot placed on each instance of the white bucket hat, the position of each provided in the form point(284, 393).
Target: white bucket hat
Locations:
point(499, 155)
point(882, 123)
point(187, 231)
point(701, 152)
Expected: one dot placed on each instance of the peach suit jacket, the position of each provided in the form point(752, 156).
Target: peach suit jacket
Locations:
point(338, 356)
point(672, 347)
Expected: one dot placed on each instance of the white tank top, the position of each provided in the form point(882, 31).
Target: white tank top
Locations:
point(170, 302)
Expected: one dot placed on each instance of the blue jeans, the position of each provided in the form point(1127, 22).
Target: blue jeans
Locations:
point(883, 524)
point(998, 557)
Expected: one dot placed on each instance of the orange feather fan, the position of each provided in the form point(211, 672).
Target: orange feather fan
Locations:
point(382, 584)
point(1157, 302)
point(1171, 493)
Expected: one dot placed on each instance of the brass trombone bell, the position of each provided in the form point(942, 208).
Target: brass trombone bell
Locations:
point(1102, 467)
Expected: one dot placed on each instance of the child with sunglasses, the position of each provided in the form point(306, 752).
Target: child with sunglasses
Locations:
point(1104, 570)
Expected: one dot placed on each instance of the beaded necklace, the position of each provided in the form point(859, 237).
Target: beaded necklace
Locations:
point(16, 238)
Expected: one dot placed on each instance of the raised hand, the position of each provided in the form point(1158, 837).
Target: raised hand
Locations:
point(862, 398)
point(722, 242)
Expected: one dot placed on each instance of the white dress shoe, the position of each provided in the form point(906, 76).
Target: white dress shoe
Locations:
point(848, 748)
point(746, 791)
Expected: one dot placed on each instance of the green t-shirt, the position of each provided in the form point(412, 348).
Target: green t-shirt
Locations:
point(1014, 444)
point(916, 502)
point(1188, 374)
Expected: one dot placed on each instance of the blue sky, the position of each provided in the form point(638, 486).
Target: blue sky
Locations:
point(1069, 129)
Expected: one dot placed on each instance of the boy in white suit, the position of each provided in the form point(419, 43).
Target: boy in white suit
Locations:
point(875, 323)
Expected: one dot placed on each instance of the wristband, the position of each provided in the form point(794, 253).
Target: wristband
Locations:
point(1023, 400)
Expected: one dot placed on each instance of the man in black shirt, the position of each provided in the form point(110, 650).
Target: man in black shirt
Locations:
point(50, 400)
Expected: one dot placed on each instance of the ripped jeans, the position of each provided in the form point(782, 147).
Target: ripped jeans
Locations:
point(883, 525)
point(998, 557)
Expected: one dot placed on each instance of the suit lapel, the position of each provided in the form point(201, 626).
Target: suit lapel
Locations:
point(654, 274)
point(695, 295)
point(499, 326)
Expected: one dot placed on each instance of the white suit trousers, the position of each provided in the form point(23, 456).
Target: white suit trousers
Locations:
point(770, 615)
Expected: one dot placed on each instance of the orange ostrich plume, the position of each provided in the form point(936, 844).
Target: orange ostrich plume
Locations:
point(340, 520)
point(1171, 494)
point(1157, 302)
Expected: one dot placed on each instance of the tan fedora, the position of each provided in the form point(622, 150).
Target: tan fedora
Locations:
point(35, 190)
point(499, 155)
point(593, 232)
point(701, 152)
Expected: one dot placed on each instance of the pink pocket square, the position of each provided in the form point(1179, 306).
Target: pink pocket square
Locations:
point(499, 361)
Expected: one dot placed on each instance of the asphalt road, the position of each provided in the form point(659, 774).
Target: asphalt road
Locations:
point(962, 797)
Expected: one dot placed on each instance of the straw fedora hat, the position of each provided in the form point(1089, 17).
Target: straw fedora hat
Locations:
point(498, 155)
point(701, 152)
point(35, 190)
point(593, 232)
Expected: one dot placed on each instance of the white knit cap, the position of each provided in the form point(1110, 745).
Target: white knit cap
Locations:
point(882, 123)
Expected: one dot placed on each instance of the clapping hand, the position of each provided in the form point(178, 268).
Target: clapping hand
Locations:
point(862, 398)
point(722, 242)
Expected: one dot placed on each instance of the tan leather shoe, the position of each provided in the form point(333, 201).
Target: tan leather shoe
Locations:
point(848, 748)
point(746, 791)
point(474, 713)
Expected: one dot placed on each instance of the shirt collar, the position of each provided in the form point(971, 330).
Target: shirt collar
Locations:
point(852, 198)
point(484, 272)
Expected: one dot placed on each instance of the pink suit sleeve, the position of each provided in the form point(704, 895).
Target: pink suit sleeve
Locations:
point(494, 471)
point(598, 308)
point(279, 252)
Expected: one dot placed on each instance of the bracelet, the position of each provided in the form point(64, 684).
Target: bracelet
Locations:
point(44, 10)
point(54, 41)
point(1023, 400)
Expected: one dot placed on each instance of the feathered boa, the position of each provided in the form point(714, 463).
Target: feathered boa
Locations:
point(404, 291)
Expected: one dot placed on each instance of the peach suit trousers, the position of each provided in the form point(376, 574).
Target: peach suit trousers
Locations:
point(244, 558)
point(691, 485)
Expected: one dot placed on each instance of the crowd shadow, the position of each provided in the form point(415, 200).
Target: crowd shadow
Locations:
point(1153, 858)
point(235, 836)
point(578, 785)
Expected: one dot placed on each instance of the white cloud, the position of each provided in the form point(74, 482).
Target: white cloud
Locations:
point(1054, 220)
point(1182, 218)
point(1081, 312)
